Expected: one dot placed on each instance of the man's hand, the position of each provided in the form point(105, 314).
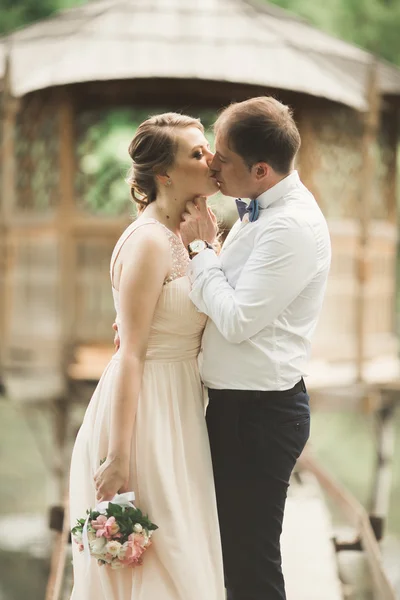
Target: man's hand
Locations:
point(117, 341)
point(198, 222)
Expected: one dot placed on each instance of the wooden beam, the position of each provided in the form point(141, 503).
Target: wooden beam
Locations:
point(371, 124)
point(155, 94)
point(94, 226)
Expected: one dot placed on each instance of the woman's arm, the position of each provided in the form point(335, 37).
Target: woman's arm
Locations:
point(145, 260)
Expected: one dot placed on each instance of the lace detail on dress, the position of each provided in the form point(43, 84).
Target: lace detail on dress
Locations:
point(180, 256)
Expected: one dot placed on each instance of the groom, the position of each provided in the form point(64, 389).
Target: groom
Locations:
point(263, 294)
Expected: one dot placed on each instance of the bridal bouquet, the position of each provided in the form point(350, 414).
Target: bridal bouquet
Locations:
point(116, 533)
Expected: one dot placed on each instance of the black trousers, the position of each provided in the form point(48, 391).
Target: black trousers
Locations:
point(255, 438)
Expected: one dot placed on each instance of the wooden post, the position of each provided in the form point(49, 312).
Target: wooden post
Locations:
point(308, 160)
point(394, 133)
point(66, 220)
point(58, 559)
point(60, 417)
point(66, 286)
point(67, 301)
point(368, 175)
point(382, 482)
point(8, 199)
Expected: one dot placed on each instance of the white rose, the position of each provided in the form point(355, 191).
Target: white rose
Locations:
point(78, 537)
point(107, 559)
point(113, 547)
point(138, 528)
point(122, 550)
point(97, 545)
point(91, 535)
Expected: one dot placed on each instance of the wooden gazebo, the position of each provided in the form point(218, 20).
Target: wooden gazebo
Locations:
point(55, 296)
point(62, 76)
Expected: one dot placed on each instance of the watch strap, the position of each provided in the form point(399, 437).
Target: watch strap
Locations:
point(192, 254)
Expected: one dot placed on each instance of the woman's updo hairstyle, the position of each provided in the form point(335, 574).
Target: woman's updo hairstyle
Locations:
point(153, 151)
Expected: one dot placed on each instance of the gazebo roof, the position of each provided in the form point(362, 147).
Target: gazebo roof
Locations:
point(237, 41)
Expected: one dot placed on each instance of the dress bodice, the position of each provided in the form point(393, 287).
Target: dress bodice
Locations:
point(177, 326)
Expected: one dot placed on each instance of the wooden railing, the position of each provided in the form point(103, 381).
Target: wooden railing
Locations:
point(58, 558)
point(360, 521)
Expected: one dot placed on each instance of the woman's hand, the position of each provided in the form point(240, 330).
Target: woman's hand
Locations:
point(117, 340)
point(111, 478)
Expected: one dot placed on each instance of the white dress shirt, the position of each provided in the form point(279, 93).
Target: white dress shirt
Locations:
point(263, 293)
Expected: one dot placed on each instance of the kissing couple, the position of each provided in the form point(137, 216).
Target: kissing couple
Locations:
point(235, 321)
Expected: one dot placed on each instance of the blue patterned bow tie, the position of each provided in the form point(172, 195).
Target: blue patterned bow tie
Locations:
point(253, 210)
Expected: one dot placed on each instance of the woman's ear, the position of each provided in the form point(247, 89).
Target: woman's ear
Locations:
point(163, 179)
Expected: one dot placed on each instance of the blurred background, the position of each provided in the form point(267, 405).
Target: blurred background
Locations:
point(74, 87)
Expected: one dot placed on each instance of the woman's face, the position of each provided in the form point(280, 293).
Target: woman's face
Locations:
point(190, 174)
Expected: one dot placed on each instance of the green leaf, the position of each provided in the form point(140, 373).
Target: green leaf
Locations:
point(76, 529)
point(114, 510)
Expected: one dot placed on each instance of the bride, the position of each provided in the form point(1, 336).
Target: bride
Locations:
point(146, 417)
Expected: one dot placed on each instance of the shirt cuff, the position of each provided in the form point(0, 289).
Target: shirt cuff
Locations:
point(205, 260)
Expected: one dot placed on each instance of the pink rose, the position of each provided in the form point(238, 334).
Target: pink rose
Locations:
point(132, 554)
point(111, 527)
point(99, 525)
point(138, 539)
point(99, 522)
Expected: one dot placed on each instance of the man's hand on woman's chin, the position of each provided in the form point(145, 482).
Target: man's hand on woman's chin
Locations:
point(198, 222)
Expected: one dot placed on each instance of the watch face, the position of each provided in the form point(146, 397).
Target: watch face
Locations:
point(197, 246)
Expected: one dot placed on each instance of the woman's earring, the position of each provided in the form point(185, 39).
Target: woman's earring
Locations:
point(169, 182)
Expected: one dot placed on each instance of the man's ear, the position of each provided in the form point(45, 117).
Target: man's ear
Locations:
point(261, 170)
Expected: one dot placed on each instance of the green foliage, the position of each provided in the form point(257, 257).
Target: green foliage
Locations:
point(17, 13)
point(371, 24)
point(104, 161)
point(14, 13)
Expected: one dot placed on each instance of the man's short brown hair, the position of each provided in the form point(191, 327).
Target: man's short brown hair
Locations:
point(261, 130)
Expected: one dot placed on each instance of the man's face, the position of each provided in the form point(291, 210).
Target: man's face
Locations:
point(231, 172)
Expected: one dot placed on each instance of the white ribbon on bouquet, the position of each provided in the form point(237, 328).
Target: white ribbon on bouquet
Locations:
point(125, 500)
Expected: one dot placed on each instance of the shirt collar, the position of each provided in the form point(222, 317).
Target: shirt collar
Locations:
point(278, 190)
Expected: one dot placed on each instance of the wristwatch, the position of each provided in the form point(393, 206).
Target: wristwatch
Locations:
point(198, 246)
